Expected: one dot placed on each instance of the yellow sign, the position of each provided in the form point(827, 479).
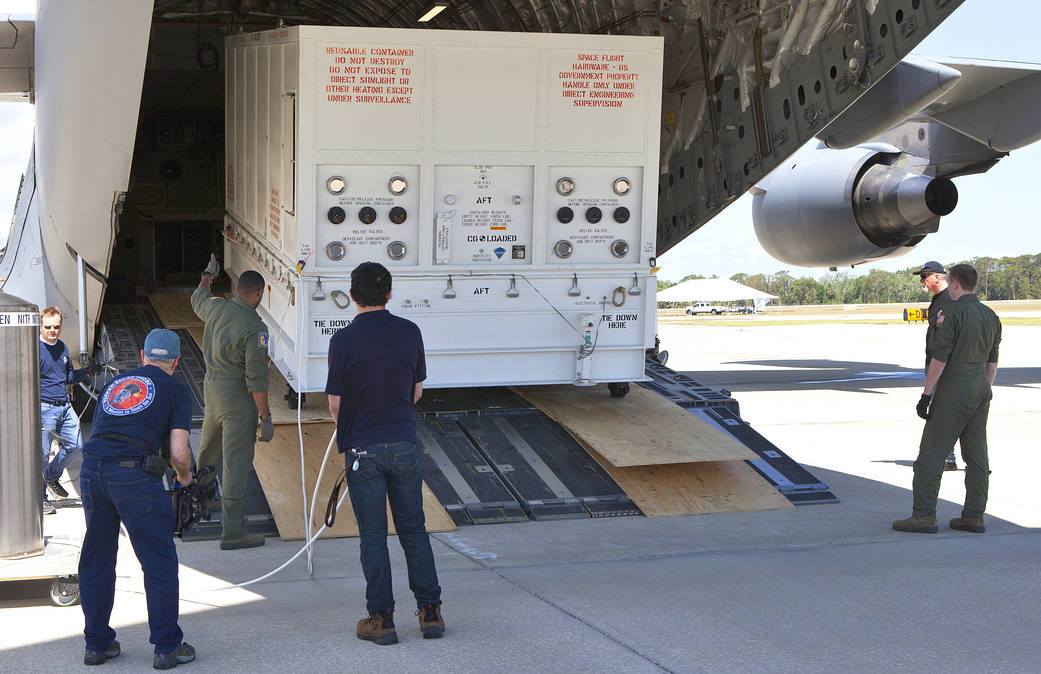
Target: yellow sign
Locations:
point(670, 118)
point(916, 314)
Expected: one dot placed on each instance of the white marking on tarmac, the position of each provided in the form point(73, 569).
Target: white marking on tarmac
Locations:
point(867, 376)
point(466, 549)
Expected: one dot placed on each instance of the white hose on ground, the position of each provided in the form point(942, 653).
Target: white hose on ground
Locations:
point(311, 540)
point(321, 472)
point(308, 515)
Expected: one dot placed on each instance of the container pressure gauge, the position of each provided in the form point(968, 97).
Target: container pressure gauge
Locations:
point(619, 248)
point(621, 214)
point(565, 186)
point(336, 215)
point(593, 215)
point(336, 251)
point(336, 185)
point(622, 186)
point(397, 185)
point(563, 248)
point(398, 215)
point(565, 214)
point(367, 215)
point(396, 250)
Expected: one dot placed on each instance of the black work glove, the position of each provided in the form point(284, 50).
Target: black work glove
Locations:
point(93, 370)
point(923, 406)
point(267, 429)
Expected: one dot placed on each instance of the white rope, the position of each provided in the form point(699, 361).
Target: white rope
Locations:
point(310, 542)
point(303, 483)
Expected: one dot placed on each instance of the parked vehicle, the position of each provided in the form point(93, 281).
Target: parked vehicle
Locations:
point(704, 308)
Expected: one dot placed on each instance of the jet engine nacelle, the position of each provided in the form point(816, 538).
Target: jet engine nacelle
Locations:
point(832, 208)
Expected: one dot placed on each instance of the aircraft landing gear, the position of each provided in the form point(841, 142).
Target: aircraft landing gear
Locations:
point(618, 389)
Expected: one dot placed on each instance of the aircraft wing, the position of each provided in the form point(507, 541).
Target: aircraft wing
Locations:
point(880, 180)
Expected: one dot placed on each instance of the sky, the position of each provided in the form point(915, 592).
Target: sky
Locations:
point(995, 215)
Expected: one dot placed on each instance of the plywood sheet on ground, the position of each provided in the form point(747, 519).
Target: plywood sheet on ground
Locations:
point(175, 310)
point(640, 429)
point(695, 488)
point(278, 466)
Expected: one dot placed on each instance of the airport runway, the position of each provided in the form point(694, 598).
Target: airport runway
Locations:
point(817, 589)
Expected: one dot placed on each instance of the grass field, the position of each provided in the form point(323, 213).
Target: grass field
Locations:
point(1011, 313)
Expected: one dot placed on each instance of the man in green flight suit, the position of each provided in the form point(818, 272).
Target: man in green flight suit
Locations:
point(234, 345)
point(958, 386)
point(934, 278)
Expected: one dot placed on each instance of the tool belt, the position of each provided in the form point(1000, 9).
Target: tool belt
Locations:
point(152, 463)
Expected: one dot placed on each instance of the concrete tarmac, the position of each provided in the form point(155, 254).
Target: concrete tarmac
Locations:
point(816, 589)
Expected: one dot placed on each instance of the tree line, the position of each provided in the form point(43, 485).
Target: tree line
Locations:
point(1004, 278)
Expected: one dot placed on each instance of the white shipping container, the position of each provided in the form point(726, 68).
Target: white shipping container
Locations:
point(507, 180)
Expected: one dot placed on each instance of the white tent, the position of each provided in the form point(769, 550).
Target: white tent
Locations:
point(714, 290)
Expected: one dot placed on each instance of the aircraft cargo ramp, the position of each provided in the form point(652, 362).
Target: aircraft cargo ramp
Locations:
point(495, 454)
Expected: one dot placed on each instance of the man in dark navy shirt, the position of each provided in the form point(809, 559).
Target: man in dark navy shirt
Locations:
point(376, 372)
point(58, 418)
point(135, 413)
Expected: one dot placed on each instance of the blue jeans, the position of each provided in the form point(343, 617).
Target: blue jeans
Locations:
point(61, 422)
point(392, 470)
point(113, 492)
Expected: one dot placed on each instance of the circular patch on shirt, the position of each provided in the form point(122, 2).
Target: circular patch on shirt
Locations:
point(128, 395)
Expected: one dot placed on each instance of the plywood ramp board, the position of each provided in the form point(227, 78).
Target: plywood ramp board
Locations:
point(175, 310)
point(695, 488)
point(278, 466)
point(196, 332)
point(640, 429)
point(315, 408)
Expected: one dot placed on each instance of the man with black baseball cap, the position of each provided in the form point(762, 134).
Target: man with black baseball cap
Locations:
point(934, 278)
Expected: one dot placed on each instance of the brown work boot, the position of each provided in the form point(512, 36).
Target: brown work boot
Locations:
point(917, 525)
point(430, 622)
point(243, 541)
point(973, 524)
point(378, 628)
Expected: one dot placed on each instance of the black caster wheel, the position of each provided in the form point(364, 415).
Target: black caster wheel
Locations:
point(618, 389)
point(65, 591)
point(295, 399)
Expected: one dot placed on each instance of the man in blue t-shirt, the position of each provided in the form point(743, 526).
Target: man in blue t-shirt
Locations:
point(376, 372)
point(136, 412)
point(57, 417)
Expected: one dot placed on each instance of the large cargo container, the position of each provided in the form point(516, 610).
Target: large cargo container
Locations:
point(508, 181)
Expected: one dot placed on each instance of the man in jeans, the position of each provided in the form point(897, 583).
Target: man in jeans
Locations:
point(135, 413)
point(376, 372)
point(58, 418)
